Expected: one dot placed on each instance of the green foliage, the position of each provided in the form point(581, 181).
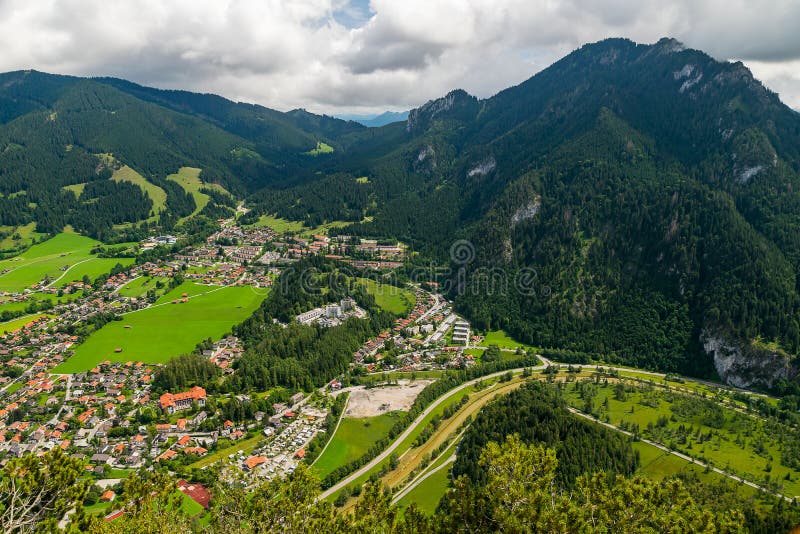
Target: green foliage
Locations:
point(538, 415)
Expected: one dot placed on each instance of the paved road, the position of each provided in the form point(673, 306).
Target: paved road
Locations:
point(390, 449)
point(681, 455)
point(420, 479)
point(330, 436)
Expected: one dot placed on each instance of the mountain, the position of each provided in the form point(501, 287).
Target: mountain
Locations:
point(58, 132)
point(635, 202)
point(374, 121)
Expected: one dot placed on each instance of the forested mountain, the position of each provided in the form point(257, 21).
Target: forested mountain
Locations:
point(644, 196)
point(56, 131)
point(636, 202)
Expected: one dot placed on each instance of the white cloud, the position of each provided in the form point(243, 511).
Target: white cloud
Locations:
point(298, 53)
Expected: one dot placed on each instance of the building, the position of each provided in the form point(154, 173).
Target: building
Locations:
point(461, 333)
point(182, 401)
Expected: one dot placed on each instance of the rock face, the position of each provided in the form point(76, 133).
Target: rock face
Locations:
point(744, 365)
point(457, 102)
point(526, 212)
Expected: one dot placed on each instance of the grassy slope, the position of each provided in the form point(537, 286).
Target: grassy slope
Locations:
point(16, 324)
point(165, 330)
point(189, 179)
point(353, 438)
point(721, 449)
point(46, 259)
point(390, 298)
point(156, 194)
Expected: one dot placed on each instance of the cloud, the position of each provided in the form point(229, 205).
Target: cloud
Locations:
point(362, 56)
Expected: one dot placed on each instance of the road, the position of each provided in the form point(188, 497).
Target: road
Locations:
point(681, 455)
point(388, 451)
point(330, 436)
point(396, 443)
point(420, 479)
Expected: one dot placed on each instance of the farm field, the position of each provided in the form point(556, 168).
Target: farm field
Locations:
point(390, 298)
point(353, 438)
point(48, 258)
point(165, 330)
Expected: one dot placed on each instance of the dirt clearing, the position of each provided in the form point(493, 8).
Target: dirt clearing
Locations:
point(376, 401)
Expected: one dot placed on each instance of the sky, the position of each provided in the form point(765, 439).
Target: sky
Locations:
point(368, 56)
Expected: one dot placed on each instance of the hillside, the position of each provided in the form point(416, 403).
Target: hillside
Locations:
point(638, 203)
point(62, 131)
point(645, 196)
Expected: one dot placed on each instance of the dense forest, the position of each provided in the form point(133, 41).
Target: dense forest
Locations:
point(302, 356)
point(539, 416)
point(636, 202)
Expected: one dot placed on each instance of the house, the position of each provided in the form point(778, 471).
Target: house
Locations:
point(182, 401)
point(254, 461)
point(197, 492)
point(108, 496)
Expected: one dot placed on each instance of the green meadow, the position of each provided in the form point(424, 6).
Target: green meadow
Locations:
point(321, 148)
point(140, 286)
point(390, 298)
point(65, 257)
point(166, 330)
point(19, 322)
point(692, 423)
point(502, 340)
point(25, 235)
point(353, 438)
point(189, 179)
point(156, 194)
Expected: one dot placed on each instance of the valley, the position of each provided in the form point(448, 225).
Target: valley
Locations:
point(574, 302)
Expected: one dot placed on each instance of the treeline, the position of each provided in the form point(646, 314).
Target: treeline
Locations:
point(302, 356)
point(183, 372)
point(539, 416)
point(318, 442)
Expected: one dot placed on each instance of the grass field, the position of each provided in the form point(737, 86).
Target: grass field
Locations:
point(166, 330)
point(322, 148)
point(19, 322)
point(429, 492)
point(189, 179)
point(27, 233)
point(140, 286)
point(246, 446)
point(699, 427)
point(156, 194)
point(353, 438)
point(75, 188)
point(390, 298)
point(92, 267)
point(502, 340)
point(48, 258)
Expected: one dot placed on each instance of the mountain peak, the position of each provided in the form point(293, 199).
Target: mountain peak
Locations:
point(455, 102)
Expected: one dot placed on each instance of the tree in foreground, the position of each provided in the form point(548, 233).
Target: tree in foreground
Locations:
point(37, 492)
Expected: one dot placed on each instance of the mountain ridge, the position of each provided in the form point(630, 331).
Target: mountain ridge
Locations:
point(653, 190)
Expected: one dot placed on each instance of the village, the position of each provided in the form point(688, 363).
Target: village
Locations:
point(108, 417)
